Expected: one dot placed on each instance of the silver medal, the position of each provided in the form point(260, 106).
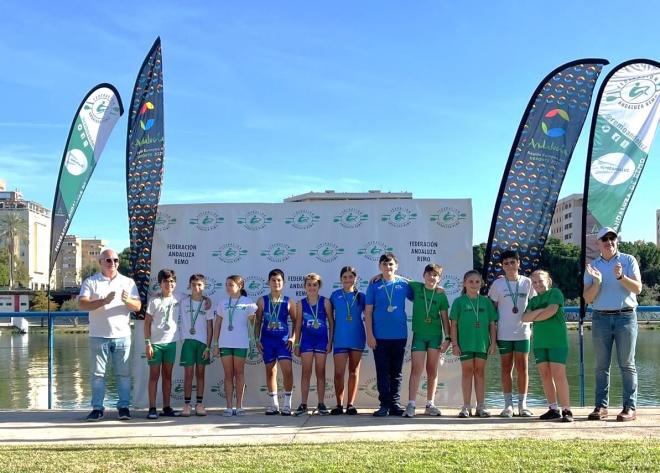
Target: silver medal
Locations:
point(193, 331)
point(390, 308)
point(166, 327)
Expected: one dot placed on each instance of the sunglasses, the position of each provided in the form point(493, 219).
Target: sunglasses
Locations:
point(112, 260)
point(608, 238)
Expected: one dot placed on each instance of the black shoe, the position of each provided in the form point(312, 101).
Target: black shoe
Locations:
point(302, 409)
point(123, 413)
point(397, 410)
point(566, 415)
point(322, 410)
point(94, 416)
point(383, 411)
point(351, 410)
point(169, 412)
point(153, 413)
point(552, 414)
point(337, 411)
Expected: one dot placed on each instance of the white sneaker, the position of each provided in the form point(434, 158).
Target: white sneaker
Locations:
point(524, 412)
point(431, 410)
point(507, 412)
point(410, 411)
point(482, 412)
point(227, 412)
point(465, 413)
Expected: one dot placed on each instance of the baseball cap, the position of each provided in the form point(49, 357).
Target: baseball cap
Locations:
point(605, 230)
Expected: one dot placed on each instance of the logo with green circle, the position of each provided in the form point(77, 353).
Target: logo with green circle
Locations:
point(451, 284)
point(351, 218)
point(448, 217)
point(164, 221)
point(399, 217)
point(206, 221)
point(326, 252)
point(254, 220)
point(278, 252)
point(255, 286)
point(373, 249)
point(302, 219)
point(212, 286)
point(229, 253)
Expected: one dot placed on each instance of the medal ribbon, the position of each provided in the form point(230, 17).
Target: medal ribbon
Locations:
point(349, 307)
point(389, 295)
point(274, 310)
point(315, 313)
point(193, 320)
point(428, 306)
point(168, 313)
point(476, 311)
point(514, 296)
point(230, 310)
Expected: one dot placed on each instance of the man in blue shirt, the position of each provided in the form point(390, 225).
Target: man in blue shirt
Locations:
point(386, 327)
point(611, 283)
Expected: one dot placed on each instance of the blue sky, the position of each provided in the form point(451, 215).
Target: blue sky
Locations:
point(264, 100)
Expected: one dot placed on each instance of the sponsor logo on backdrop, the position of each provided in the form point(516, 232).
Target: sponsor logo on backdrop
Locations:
point(177, 389)
point(253, 357)
point(206, 221)
point(451, 284)
point(554, 123)
point(146, 122)
point(164, 221)
point(613, 169)
point(229, 253)
point(254, 220)
point(399, 217)
point(373, 249)
point(302, 219)
point(75, 162)
point(448, 217)
point(351, 218)
point(326, 252)
point(255, 286)
point(218, 388)
point(360, 284)
point(97, 105)
point(212, 286)
point(370, 388)
point(278, 252)
point(635, 93)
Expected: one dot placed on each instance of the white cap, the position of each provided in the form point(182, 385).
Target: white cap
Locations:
point(605, 230)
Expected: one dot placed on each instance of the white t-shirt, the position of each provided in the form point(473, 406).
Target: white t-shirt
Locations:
point(510, 326)
point(193, 310)
point(165, 312)
point(238, 337)
point(111, 320)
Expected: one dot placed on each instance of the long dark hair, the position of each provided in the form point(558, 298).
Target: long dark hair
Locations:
point(240, 282)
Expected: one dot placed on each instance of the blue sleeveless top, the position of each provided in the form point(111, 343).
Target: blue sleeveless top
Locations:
point(308, 327)
point(275, 325)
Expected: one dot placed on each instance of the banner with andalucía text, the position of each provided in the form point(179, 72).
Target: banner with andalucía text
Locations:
point(535, 170)
point(92, 124)
point(251, 239)
point(145, 153)
point(628, 111)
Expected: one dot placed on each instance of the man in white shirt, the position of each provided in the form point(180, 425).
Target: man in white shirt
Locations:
point(109, 297)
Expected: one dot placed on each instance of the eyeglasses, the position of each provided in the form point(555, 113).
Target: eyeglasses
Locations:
point(112, 260)
point(608, 238)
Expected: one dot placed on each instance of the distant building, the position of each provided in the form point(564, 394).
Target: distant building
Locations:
point(567, 220)
point(76, 254)
point(91, 250)
point(33, 252)
point(332, 195)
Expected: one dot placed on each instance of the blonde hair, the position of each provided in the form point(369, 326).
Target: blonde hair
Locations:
point(312, 277)
point(543, 272)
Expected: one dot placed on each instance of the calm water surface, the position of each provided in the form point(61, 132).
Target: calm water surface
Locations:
point(24, 371)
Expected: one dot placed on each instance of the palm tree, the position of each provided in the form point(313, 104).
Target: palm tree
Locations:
point(13, 229)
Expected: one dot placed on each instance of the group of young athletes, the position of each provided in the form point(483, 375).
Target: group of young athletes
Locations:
point(475, 327)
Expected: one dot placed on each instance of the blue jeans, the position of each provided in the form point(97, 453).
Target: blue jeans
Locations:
point(622, 330)
point(388, 357)
point(118, 351)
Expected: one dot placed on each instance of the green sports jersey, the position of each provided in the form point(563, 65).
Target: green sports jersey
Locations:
point(435, 302)
point(549, 333)
point(473, 331)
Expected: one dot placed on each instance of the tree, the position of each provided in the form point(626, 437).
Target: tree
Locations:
point(13, 229)
point(71, 305)
point(478, 254)
point(89, 270)
point(40, 302)
point(125, 262)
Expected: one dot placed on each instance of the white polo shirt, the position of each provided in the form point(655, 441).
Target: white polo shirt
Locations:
point(113, 319)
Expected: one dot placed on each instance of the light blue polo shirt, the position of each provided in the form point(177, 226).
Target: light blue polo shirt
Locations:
point(612, 295)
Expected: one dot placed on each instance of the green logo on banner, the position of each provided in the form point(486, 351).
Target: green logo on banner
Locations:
point(254, 220)
point(206, 221)
point(212, 286)
point(399, 217)
point(326, 252)
point(255, 286)
point(164, 221)
point(451, 284)
point(448, 217)
point(229, 253)
point(278, 252)
point(373, 249)
point(351, 218)
point(302, 219)
point(636, 93)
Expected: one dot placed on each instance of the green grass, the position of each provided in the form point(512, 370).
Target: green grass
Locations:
point(423, 455)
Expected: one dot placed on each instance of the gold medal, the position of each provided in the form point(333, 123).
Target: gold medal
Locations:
point(427, 320)
point(316, 324)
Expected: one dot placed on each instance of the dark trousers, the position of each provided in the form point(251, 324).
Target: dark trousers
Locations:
point(388, 356)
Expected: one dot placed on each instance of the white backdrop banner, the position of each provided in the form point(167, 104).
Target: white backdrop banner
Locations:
point(251, 239)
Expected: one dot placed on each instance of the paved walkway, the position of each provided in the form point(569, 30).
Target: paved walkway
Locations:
point(62, 427)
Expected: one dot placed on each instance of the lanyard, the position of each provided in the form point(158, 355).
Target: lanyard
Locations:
point(230, 311)
point(514, 296)
point(274, 310)
point(427, 305)
point(193, 320)
point(476, 311)
point(349, 307)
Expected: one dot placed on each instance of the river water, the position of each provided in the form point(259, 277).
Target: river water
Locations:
point(24, 370)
